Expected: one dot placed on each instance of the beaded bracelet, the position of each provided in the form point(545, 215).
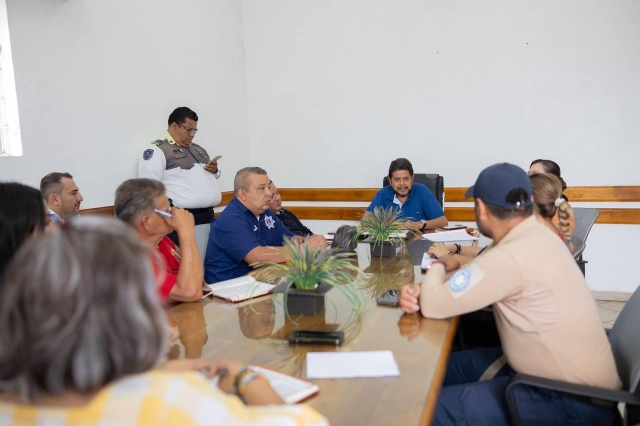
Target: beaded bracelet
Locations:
point(242, 380)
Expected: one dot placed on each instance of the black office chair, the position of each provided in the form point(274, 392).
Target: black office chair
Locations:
point(584, 219)
point(433, 181)
point(625, 344)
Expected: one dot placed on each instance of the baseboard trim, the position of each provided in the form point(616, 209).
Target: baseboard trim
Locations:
point(612, 296)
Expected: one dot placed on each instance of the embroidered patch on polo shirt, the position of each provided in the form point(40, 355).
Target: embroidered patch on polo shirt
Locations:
point(268, 220)
point(465, 279)
point(148, 153)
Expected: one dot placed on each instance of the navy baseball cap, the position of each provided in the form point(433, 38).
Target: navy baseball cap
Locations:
point(495, 182)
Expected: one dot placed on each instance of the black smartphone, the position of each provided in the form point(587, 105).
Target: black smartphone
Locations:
point(313, 336)
point(390, 298)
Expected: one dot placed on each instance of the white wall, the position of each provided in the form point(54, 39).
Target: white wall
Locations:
point(452, 85)
point(337, 89)
point(325, 94)
point(96, 81)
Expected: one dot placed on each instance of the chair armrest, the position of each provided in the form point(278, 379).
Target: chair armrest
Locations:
point(582, 390)
point(560, 386)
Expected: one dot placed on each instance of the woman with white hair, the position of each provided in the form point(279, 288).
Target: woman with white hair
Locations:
point(84, 333)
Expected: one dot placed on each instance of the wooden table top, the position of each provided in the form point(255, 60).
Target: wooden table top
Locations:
point(255, 333)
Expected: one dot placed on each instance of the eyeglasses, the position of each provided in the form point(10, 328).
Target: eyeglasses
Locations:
point(191, 131)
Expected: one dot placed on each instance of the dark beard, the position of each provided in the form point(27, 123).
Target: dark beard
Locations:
point(408, 193)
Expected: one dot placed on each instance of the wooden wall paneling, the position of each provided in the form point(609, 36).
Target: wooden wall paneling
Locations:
point(226, 197)
point(328, 194)
point(583, 194)
point(98, 210)
point(328, 213)
point(603, 193)
point(617, 216)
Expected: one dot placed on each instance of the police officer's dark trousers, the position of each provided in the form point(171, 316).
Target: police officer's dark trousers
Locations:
point(465, 401)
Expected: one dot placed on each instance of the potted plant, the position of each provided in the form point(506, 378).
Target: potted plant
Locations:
point(384, 231)
point(307, 274)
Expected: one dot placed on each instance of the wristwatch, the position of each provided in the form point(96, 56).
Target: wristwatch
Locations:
point(424, 225)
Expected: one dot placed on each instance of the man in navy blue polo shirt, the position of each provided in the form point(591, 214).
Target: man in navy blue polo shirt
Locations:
point(247, 231)
point(416, 202)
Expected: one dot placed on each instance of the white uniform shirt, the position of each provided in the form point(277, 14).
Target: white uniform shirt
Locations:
point(188, 188)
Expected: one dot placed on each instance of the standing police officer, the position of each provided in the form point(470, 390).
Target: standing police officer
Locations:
point(183, 167)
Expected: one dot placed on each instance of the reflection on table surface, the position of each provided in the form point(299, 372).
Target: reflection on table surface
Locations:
point(256, 331)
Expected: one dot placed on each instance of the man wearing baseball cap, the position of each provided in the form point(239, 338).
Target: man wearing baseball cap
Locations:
point(546, 316)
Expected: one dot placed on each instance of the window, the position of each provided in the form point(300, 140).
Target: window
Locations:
point(10, 140)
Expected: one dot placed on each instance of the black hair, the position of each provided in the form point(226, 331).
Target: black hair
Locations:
point(400, 164)
point(21, 213)
point(516, 195)
point(180, 114)
point(52, 184)
point(551, 167)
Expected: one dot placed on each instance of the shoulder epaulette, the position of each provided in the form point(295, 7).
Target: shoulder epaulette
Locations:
point(158, 142)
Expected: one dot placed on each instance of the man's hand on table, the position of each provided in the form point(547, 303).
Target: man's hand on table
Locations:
point(438, 250)
point(201, 365)
point(409, 298)
point(316, 242)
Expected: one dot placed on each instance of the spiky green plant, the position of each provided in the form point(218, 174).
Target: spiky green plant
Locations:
point(380, 224)
point(304, 268)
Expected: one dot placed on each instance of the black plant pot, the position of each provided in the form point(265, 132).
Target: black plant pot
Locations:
point(307, 302)
point(386, 249)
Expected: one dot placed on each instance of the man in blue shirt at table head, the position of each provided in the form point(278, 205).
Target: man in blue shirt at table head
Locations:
point(416, 202)
point(247, 231)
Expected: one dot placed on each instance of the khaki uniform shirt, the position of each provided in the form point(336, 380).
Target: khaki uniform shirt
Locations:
point(546, 316)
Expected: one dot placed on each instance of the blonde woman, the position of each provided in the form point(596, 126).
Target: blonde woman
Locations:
point(550, 207)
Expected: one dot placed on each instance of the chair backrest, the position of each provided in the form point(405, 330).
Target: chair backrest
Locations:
point(625, 343)
point(578, 248)
point(433, 181)
point(202, 238)
point(344, 239)
point(584, 219)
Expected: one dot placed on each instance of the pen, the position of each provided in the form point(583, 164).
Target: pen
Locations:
point(164, 214)
point(219, 374)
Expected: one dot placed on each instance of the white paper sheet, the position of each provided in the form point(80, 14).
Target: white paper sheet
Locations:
point(345, 365)
point(449, 236)
point(398, 234)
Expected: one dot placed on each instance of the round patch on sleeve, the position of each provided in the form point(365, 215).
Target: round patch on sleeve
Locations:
point(459, 281)
point(148, 153)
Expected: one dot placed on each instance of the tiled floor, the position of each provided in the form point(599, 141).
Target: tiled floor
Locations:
point(609, 311)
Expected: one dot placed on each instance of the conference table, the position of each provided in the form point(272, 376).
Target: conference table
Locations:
point(256, 331)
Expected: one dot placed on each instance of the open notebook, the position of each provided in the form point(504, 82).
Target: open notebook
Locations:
point(291, 389)
point(237, 289)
